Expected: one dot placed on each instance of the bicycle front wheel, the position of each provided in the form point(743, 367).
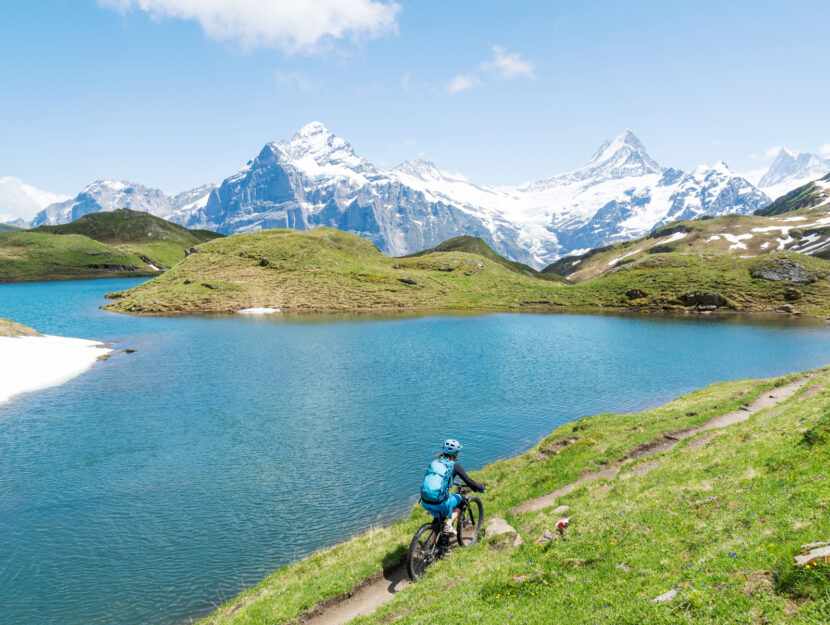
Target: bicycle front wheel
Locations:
point(422, 551)
point(469, 522)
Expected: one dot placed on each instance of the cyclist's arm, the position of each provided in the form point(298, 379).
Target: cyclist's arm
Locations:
point(459, 471)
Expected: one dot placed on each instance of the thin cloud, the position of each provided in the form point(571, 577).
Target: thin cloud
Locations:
point(285, 24)
point(462, 82)
point(503, 66)
point(507, 65)
point(296, 81)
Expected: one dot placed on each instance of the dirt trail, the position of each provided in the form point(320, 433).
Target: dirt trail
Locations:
point(380, 588)
point(365, 600)
point(667, 442)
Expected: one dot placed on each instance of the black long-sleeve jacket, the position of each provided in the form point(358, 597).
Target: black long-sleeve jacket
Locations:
point(459, 471)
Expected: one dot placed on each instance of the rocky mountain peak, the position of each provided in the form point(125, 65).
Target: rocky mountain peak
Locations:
point(318, 153)
point(624, 155)
point(790, 166)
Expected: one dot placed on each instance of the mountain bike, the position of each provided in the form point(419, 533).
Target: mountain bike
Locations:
point(431, 543)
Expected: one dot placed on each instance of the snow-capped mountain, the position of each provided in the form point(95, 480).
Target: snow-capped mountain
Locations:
point(791, 170)
point(19, 202)
point(316, 179)
point(108, 195)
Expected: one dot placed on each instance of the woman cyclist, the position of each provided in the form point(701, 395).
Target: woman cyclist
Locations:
point(435, 496)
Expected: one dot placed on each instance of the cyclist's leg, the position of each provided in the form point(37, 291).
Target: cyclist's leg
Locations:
point(453, 502)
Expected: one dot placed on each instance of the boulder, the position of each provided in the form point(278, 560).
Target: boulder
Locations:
point(407, 281)
point(666, 596)
point(776, 269)
point(635, 293)
point(704, 299)
point(561, 510)
point(446, 268)
point(787, 308)
point(500, 527)
point(818, 554)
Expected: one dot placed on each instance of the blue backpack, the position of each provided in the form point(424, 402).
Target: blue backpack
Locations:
point(437, 481)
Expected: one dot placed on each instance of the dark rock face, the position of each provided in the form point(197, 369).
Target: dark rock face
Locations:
point(108, 267)
point(792, 294)
point(407, 280)
point(776, 269)
point(635, 293)
point(704, 300)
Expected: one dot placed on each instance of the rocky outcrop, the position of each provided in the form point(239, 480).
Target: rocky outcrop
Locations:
point(704, 299)
point(780, 268)
point(500, 527)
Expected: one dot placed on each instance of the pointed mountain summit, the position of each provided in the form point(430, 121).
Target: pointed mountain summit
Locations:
point(625, 155)
point(321, 155)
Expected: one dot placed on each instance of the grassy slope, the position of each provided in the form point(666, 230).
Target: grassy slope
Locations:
point(161, 241)
point(10, 228)
point(13, 329)
point(720, 522)
point(476, 245)
point(325, 269)
point(706, 235)
point(807, 196)
point(31, 256)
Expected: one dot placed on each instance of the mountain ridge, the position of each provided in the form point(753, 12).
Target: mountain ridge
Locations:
point(316, 179)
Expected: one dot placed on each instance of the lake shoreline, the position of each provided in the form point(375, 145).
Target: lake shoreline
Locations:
point(30, 361)
point(397, 312)
point(322, 558)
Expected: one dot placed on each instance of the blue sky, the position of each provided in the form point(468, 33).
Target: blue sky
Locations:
point(171, 94)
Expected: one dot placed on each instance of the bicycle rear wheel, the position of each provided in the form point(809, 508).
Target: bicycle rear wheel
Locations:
point(469, 522)
point(422, 550)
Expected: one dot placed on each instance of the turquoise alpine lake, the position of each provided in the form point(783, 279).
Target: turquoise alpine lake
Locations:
point(159, 484)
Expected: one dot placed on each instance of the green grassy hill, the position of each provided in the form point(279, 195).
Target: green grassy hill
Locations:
point(326, 270)
point(161, 241)
point(330, 270)
point(120, 243)
point(805, 231)
point(808, 196)
point(718, 518)
point(476, 245)
point(9, 228)
point(34, 256)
